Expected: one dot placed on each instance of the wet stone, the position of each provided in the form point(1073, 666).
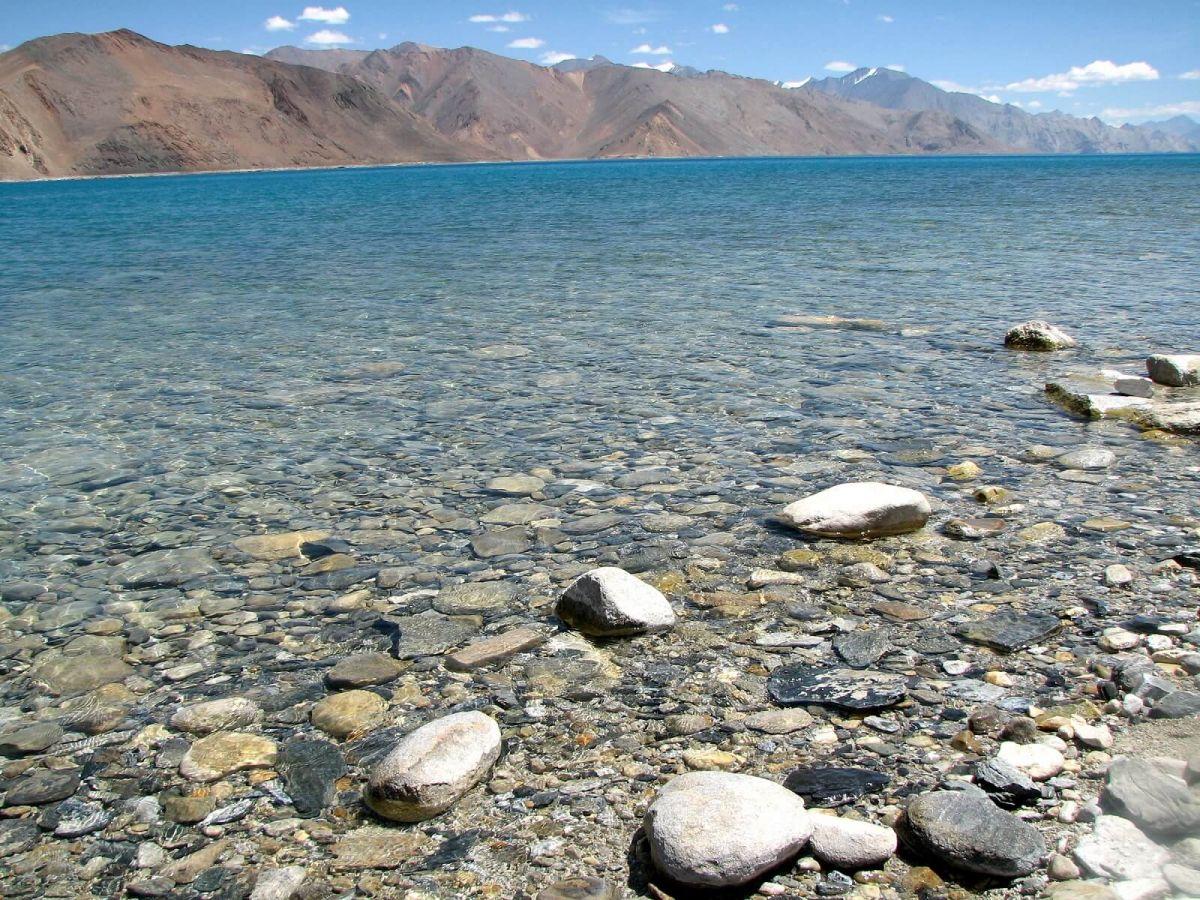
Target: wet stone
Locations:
point(480, 598)
point(586, 888)
point(75, 818)
point(372, 847)
point(166, 568)
point(1009, 631)
point(831, 786)
point(309, 769)
point(347, 713)
point(430, 633)
point(225, 752)
point(364, 669)
point(502, 542)
point(493, 649)
point(827, 686)
point(30, 739)
point(42, 786)
point(339, 580)
point(861, 649)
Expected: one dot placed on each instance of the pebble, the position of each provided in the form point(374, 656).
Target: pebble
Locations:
point(347, 713)
point(278, 884)
point(216, 715)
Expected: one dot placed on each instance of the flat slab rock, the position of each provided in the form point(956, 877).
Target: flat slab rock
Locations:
point(833, 686)
point(969, 832)
point(1009, 631)
point(829, 786)
point(1152, 797)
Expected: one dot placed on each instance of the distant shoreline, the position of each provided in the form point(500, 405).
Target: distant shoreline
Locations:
point(582, 159)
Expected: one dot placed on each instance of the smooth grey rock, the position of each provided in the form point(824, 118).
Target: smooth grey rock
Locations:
point(1118, 849)
point(1178, 705)
point(309, 769)
point(41, 786)
point(1157, 801)
point(850, 844)
point(75, 818)
point(278, 884)
point(165, 568)
point(502, 542)
point(30, 739)
point(429, 770)
point(1038, 761)
point(431, 633)
point(609, 602)
point(1038, 335)
point(859, 510)
point(1007, 785)
point(1087, 458)
point(475, 598)
point(969, 832)
point(364, 669)
point(1184, 879)
point(718, 829)
point(1134, 387)
point(1176, 370)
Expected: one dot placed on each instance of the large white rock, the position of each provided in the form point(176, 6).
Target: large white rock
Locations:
point(863, 509)
point(1118, 849)
point(1038, 761)
point(719, 829)
point(431, 768)
point(851, 844)
point(609, 602)
point(1177, 370)
point(1038, 335)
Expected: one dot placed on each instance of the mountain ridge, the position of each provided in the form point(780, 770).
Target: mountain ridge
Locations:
point(120, 103)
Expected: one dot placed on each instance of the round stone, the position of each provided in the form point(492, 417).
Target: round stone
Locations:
point(340, 715)
point(849, 844)
point(717, 829)
point(216, 715)
point(431, 768)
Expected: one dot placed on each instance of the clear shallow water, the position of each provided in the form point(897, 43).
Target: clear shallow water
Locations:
point(317, 332)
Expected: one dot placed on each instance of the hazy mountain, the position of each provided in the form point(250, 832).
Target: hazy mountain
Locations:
point(583, 65)
point(1052, 132)
point(1180, 126)
point(119, 103)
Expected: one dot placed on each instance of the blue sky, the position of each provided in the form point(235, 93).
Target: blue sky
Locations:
point(1118, 59)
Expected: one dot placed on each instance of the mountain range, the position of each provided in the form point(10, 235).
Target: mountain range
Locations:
point(119, 103)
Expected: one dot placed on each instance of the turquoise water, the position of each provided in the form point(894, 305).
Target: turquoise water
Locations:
point(169, 328)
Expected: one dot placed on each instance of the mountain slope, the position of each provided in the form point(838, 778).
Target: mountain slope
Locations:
point(120, 103)
point(1052, 132)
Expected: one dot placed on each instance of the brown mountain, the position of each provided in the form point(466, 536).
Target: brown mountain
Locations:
point(119, 103)
point(500, 107)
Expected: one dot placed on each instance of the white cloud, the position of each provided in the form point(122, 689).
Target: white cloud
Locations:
point(840, 66)
point(337, 16)
point(1034, 104)
point(4, 48)
point(719, 28)
point(554, 57)
point(653, 51)
point(1101, 71)
point(628, 16)
point(383, 35)
point(278, 23)
point(731, 7)
point(887, 20)
point(1193, 75)
point(328, 37)
point(1165, 111)
point(526, 44)
point(510, 17)
point(660, 67)
point(499, 29)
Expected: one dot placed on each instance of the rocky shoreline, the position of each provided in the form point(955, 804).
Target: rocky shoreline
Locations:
point(613, 677)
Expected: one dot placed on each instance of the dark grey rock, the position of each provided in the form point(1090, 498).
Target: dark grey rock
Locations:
point(1009, 631)
point(502, 542)
point(339, 580)
point(829, 686)
point(30, 739)
point(309, 769)
point(1007, 785)
point(861, 649)
point(968, 832)
point(78, 817)
point(832, 786)
point(1178, 705)
point(42, 786)
point(430, 633)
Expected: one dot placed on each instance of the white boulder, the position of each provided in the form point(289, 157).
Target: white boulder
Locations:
point(430, 769)
point(609, 602)
point(1038, 761)
point(719, 829)
point(1038, 335)
point(850, 844)
point(864, 509)
point(1176, 370)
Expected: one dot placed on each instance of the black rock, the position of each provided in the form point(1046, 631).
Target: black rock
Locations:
point(831, 786)
point(1007, 785)
point(967, 831)
point(831, 686)
point(1009, 631)
point(42, 786)
point(21, 592)
point(1189, 558)
point(861, 649)
point(326, 547)
point(309, 769)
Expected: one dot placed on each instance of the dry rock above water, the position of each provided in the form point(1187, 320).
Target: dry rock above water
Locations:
point(609, 602)
point(717, 829)
point(859, 510)
point(1039, 336)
